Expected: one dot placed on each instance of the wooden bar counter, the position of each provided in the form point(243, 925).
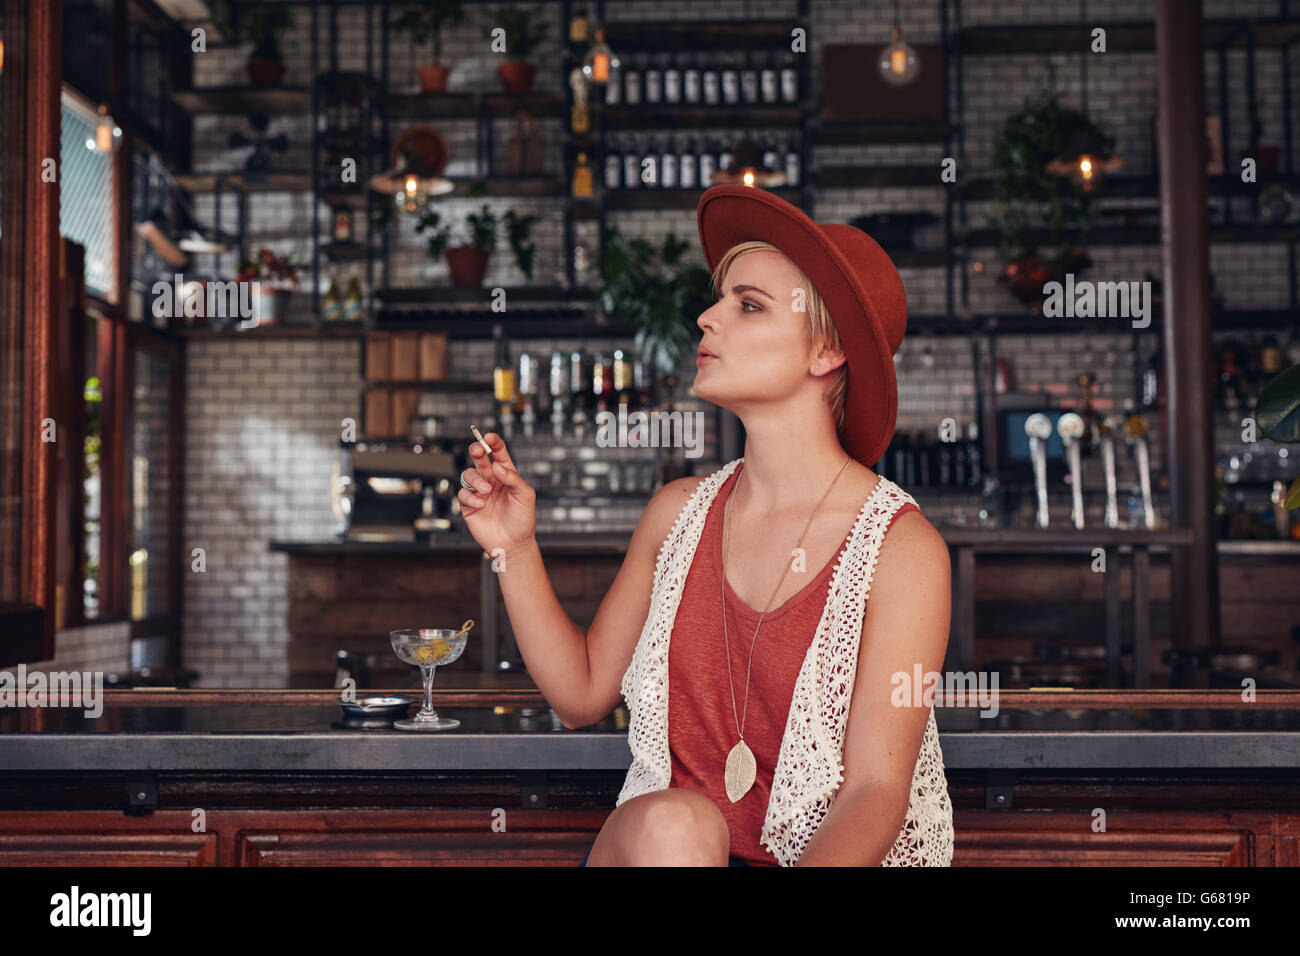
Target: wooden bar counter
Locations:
point(276, 778)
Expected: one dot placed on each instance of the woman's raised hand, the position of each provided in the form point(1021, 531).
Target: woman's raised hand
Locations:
point(501, 511)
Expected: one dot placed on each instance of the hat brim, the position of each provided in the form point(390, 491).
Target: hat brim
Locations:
point(729, 215)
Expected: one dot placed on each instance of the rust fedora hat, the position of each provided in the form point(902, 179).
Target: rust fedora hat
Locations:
point(858, 282)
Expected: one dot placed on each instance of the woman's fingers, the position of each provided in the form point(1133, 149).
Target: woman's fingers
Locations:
point(477, 481)
point(499, 452)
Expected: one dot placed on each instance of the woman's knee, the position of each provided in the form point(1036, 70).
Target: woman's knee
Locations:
point(674, 827)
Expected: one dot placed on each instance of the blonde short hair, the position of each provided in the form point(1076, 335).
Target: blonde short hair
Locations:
point(821, 329)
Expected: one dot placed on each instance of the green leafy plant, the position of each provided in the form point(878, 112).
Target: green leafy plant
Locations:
point(1277, 414)
point(425, 21)
point(262, 25)
point(1044, 130)
point(518, 230)
point(524, 32)
point(659, 294)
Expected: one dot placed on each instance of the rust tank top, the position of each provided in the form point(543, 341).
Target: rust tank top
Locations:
point(701, 722)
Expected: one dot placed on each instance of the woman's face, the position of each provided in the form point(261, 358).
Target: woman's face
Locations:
point(759, 343)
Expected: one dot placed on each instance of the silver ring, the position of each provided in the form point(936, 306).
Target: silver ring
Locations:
point(465, 484)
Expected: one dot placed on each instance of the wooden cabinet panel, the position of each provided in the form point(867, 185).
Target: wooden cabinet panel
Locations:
point(413, 848)
point(73, 848)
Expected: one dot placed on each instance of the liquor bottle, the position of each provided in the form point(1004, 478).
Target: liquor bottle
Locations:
point(668, 166)
point(726, 158)
point(622, 380)
point(709, 83)
point(749, 80)
point(352, 304)
point(691, 80)
point(558, 389)
point(578, 24)
point(631, 165)
point(1229, 393)
point(730, 80)
point(649, 171)
point(582, 177)
point(579, 392)
point(1151, 377)
point(613, 167)
point(687, 172)
point(771, 158)
point(632, 80)
point(614, 87)
point(943, 463)
point(526, 403)
point(1270, 361)
point(673, 81)
point(792, 162)
point(654, 82)
point(708, 164)
point(974, 456)
point(332, 304)
point(789, 79)
point(769, 83)
point(503, 378)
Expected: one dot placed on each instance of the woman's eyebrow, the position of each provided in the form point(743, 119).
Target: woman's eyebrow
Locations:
point(738, 289)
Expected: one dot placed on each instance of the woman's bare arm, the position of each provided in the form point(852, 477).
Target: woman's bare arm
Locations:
point(580, 674)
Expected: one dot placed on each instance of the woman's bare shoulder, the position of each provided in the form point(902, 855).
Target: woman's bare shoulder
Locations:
point(912, 545)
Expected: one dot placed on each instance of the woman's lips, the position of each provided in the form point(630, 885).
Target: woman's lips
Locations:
point(704, 358)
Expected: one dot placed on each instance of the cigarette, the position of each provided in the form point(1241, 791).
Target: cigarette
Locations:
point(479, 436)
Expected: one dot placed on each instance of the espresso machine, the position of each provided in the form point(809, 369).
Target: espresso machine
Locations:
point(394, 490)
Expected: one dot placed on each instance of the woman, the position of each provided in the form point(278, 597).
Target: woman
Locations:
point(785, 746)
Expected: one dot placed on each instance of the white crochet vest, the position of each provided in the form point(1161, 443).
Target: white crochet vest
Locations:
point(809, 768)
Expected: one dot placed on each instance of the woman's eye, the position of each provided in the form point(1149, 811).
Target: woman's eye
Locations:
point(757, 307)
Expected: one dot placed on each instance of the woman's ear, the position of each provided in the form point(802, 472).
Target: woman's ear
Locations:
point(827, 360)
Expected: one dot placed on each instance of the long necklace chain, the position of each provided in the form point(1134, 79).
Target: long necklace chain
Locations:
point(740, 720)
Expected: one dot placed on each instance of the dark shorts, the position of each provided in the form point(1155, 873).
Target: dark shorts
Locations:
point(731, 861)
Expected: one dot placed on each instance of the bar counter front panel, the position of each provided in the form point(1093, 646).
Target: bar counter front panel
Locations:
point(279, 778)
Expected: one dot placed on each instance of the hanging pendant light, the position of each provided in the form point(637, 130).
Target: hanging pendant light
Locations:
point(1086, 157)
point(600, 62)
point(419, 157)
point(899, 63)
point(108, 135)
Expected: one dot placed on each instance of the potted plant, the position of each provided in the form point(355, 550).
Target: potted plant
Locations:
point(261, 25)
point(1028, 141)
point(659, 294)
point(467, 248)
point(274, 278)
point(424, 21)
point(1277, 415)
point(522, 35)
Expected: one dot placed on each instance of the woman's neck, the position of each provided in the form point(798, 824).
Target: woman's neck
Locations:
point(788, 469)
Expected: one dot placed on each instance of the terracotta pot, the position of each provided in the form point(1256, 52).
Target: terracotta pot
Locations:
point(516, 76)
point(468, 264)
point(433, 79)
point(265, 73)
point(269, 306)
point(1027, 276)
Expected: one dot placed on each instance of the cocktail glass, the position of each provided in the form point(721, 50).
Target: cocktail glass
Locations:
point(428, 648)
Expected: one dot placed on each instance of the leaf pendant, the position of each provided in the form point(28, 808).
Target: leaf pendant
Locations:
point(740, 772)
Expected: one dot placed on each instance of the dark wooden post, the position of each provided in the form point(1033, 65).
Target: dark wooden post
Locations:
point(1185, 251)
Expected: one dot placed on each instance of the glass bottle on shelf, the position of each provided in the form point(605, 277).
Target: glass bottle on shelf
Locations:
point(709, 82)
point(579, 27)
point(792, 162)
point(654, 81)
point(614, 87)
point(353, 306)
point(622, 381)
point(789, 78)
point(503, 379)
point(631, 164)
point(708, 164)
point(613, 166)
point(578, 392)
point(726, 158)
point(769, 83)
point(749, 79)
point(974, 456)
point(559, 389)
point(687, 173)
point(691, 80)
point(771, 158)
point(527, 399)
point(342, 224)
point(673, 80)
point(582, 177)
point(730, 77)
point(1151, 376)
point(632, 80)
point(668, 165)
point(332, 303)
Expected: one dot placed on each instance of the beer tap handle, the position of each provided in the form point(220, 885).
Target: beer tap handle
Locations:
point(1039, 428)
point(1070, 427)
point(1106, 428)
